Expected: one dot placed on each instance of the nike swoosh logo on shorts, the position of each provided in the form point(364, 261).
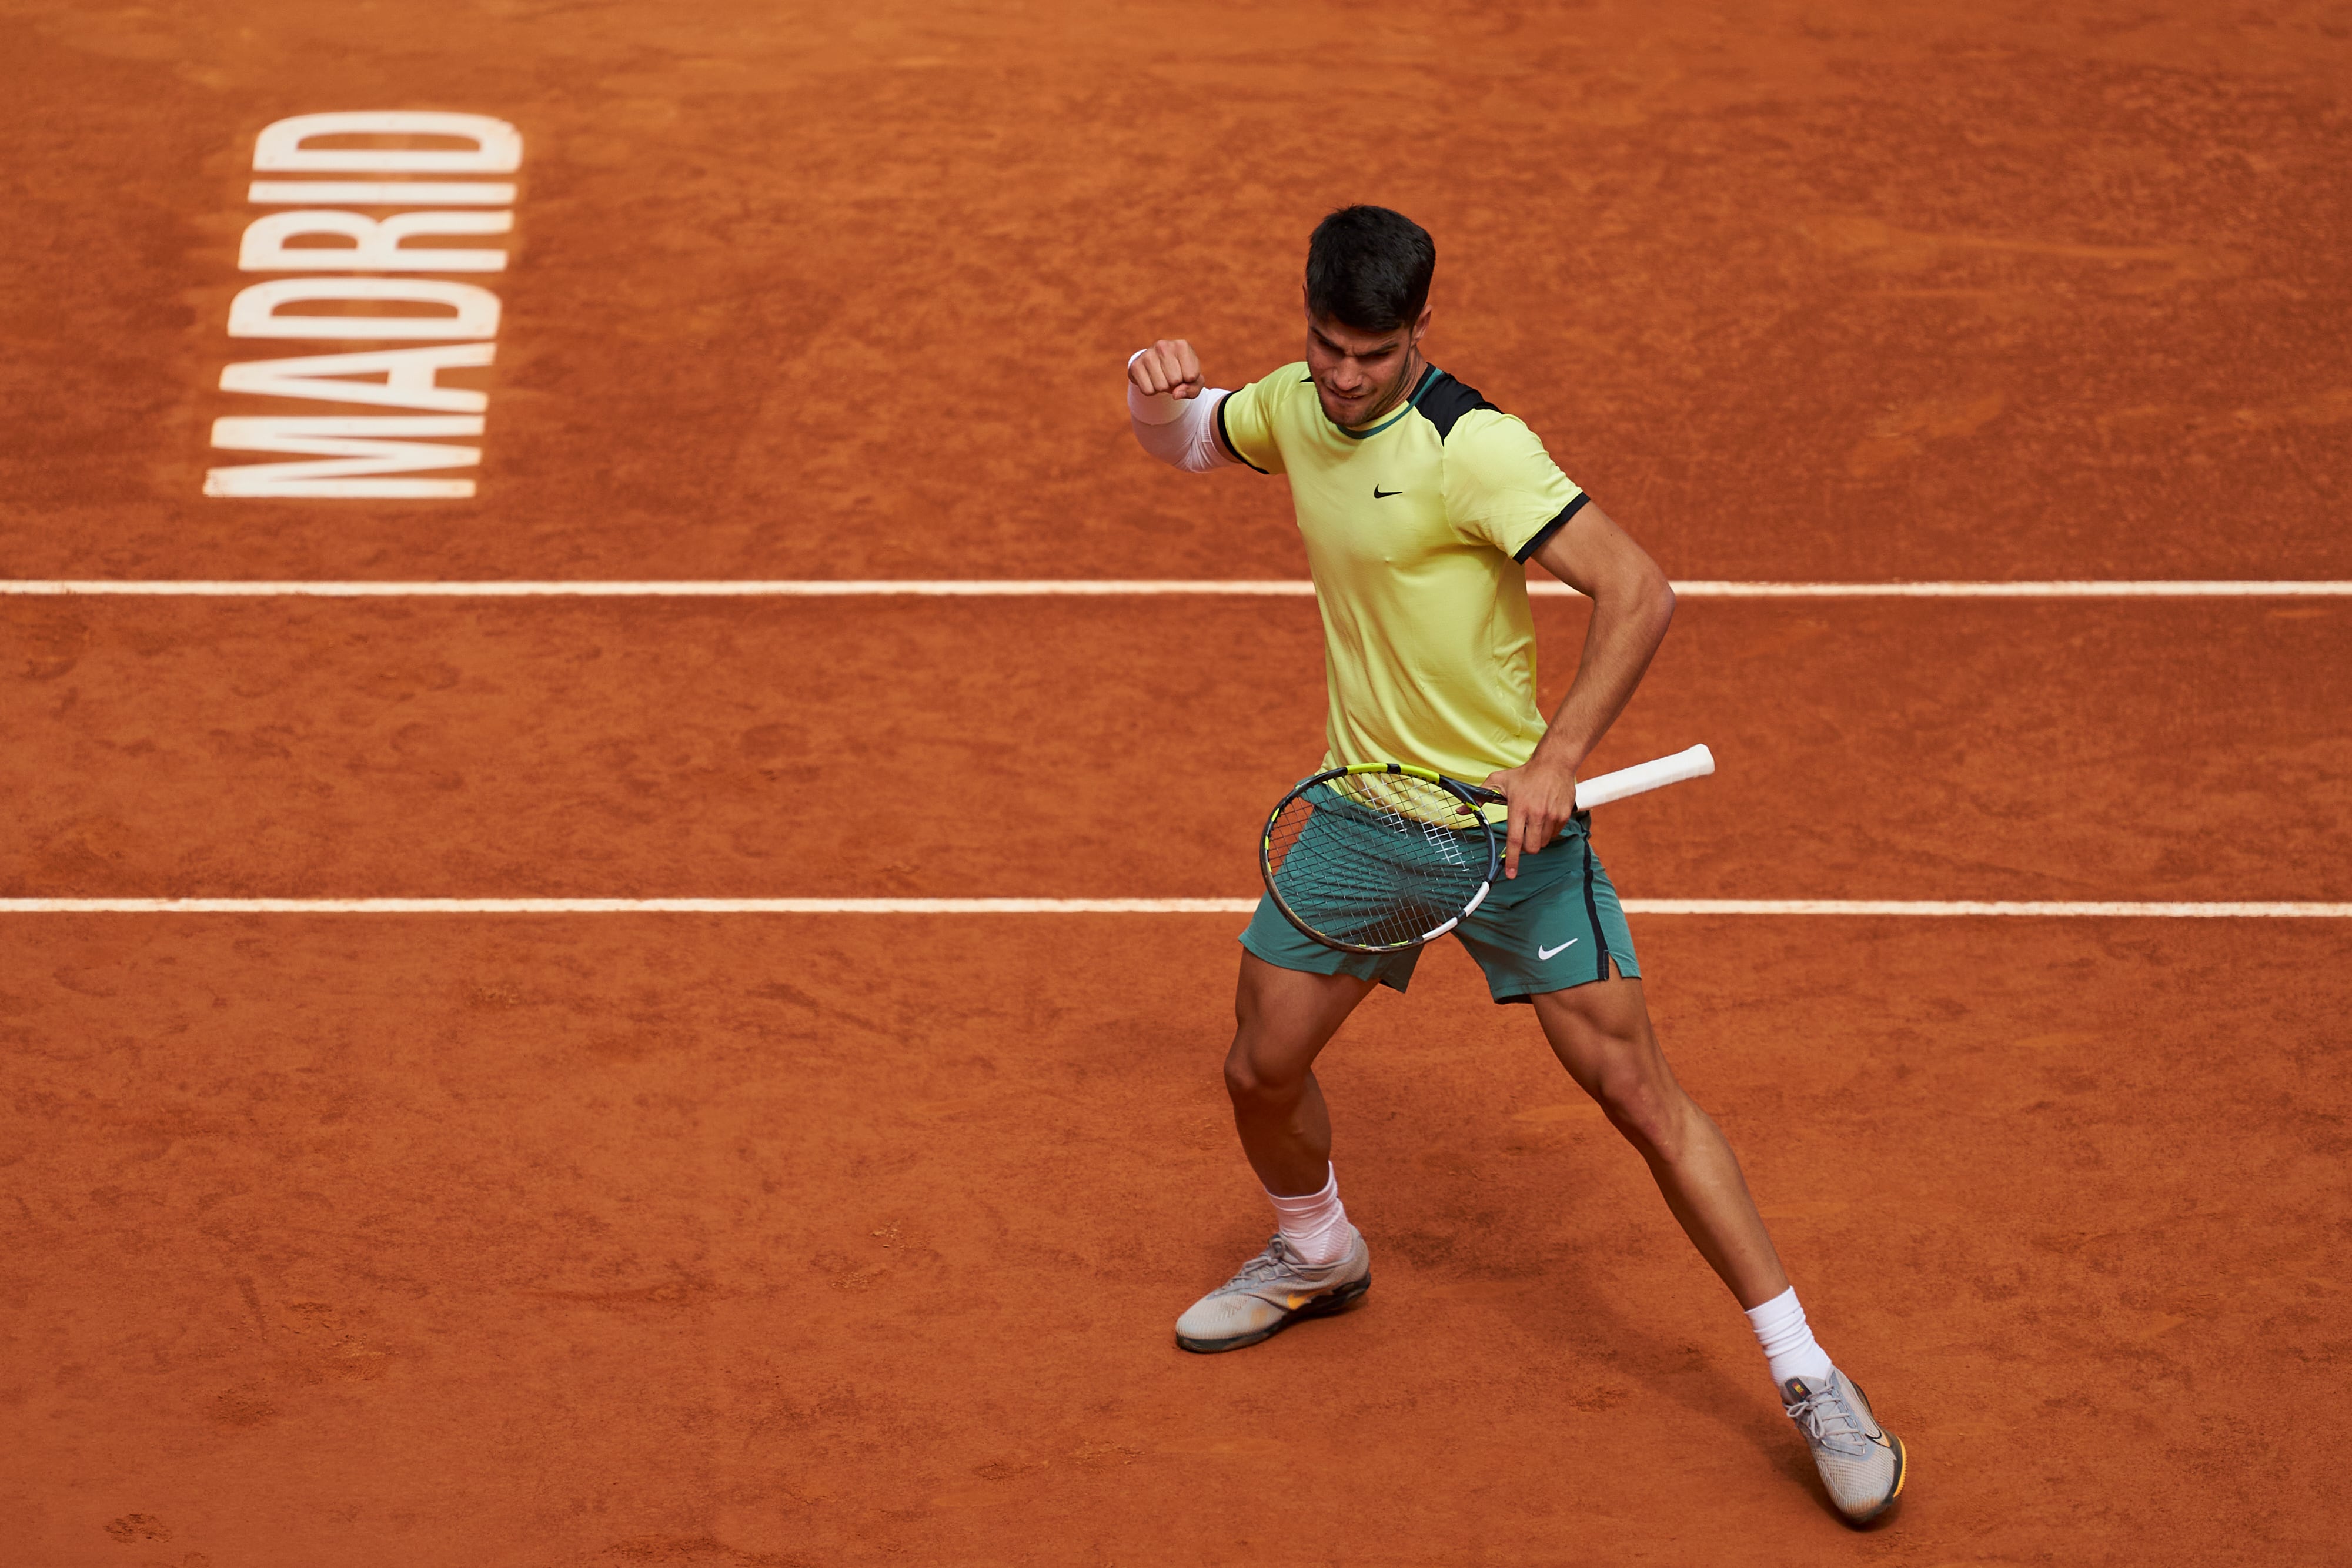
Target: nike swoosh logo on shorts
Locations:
point(1380, 495)
point(1543, 952)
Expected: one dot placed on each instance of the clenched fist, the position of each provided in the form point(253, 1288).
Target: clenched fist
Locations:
point(1168, 366)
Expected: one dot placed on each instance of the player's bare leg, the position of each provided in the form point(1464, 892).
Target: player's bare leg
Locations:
point(1317, 1264)
point(1283, 1018)
point(1601, 1034)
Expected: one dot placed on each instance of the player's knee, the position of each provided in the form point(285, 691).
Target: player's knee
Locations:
point(1650, 1109)
point(1244, 1084)
point(1250, 1083)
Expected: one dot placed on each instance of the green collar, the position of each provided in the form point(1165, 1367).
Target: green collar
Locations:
point(1429, 375)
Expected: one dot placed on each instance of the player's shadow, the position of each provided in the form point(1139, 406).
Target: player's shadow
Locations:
point(1664, 1368)
point(1697, 1382)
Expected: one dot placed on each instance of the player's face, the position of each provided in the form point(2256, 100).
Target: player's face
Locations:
point(1361, 375)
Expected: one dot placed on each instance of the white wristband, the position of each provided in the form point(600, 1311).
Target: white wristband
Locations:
point(1150, 408)
point(1179, 432)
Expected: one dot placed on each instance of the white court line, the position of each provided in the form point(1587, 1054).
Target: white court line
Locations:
point(1018, 588)
point(2038, 909)
point(627, 905)
point(2083, 589)
point(1865, 907)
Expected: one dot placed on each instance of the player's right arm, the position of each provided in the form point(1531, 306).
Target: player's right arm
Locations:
point(1172, 413)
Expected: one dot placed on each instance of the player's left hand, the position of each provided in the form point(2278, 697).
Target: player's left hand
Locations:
point(1541, 793)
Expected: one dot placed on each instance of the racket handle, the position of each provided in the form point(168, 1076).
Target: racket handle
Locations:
point(1697, 762)
point(1643, 777)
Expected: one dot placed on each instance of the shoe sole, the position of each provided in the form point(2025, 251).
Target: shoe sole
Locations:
point(1347, 1298)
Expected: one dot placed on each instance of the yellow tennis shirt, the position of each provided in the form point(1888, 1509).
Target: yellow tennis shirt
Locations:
point(1418, 528)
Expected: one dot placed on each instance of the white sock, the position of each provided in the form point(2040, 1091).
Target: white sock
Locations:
point(1315, 1226)
point(1779, 1325)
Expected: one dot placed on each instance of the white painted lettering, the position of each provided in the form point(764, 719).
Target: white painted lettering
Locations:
point(351, 452)
point(375, 243)
point(408, 377)
point(353, 456)
point(254, 313)
point(381, 193)
point(497, 146)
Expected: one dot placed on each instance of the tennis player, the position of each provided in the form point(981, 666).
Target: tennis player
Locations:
point(1420, 503)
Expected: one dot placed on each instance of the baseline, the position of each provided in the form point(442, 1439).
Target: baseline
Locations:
point(2039, 909)
point(1020, 588)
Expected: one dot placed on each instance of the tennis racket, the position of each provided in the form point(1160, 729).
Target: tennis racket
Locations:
point(1379, 856)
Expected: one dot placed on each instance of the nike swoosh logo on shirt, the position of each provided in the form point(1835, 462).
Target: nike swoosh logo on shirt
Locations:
point(1380, 495)
point(1543, 952)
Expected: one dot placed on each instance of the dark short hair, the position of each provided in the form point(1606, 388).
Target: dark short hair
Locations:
point(1369, 268)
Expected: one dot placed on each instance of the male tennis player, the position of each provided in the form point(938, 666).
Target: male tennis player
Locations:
point(1420, 503)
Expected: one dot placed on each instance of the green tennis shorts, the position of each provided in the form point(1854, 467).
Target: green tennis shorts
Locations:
point(1556, 924)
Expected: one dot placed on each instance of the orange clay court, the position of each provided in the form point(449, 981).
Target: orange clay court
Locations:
point(452, 1240)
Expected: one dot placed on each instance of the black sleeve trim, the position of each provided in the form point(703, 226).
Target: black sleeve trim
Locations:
point(1227, 441)
point(1544, 534)
point(1443, 401)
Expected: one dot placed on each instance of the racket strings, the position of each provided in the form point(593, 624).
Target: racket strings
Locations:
point(1375, 860)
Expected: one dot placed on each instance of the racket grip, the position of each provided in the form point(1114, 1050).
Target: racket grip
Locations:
point(1697, 762)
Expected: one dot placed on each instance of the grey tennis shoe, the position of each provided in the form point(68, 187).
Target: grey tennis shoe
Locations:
point(1862, 1463)
point(1273, 1290)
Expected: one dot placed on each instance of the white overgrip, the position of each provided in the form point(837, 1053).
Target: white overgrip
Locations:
point(1643, 777)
